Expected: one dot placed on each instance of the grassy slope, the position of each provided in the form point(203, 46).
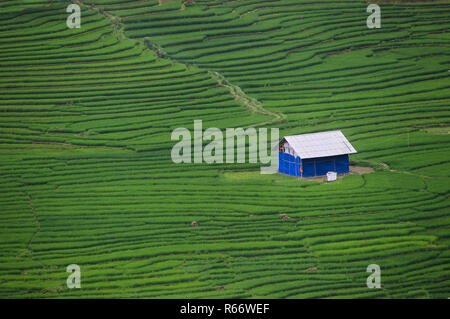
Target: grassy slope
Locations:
point(85, 125)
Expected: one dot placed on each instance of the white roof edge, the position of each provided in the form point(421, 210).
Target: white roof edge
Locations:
point(323, 132)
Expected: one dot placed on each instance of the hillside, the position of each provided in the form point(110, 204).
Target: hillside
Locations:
point(87, 178)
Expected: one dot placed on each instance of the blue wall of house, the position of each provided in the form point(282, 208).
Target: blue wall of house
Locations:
point(320, 166)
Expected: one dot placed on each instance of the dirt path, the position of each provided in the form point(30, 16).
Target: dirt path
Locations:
point(360, 170)
point(250, 103)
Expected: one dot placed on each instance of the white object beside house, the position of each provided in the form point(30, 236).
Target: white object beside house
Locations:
point(331, 176)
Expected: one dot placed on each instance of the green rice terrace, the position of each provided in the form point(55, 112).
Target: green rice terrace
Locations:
point(86, 116)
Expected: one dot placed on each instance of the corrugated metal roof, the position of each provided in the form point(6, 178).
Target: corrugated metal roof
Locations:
point(320, 144)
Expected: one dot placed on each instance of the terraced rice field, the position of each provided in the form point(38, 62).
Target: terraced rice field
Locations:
point(85, 122)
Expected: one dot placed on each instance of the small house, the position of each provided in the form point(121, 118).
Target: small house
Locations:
point(315, 154)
